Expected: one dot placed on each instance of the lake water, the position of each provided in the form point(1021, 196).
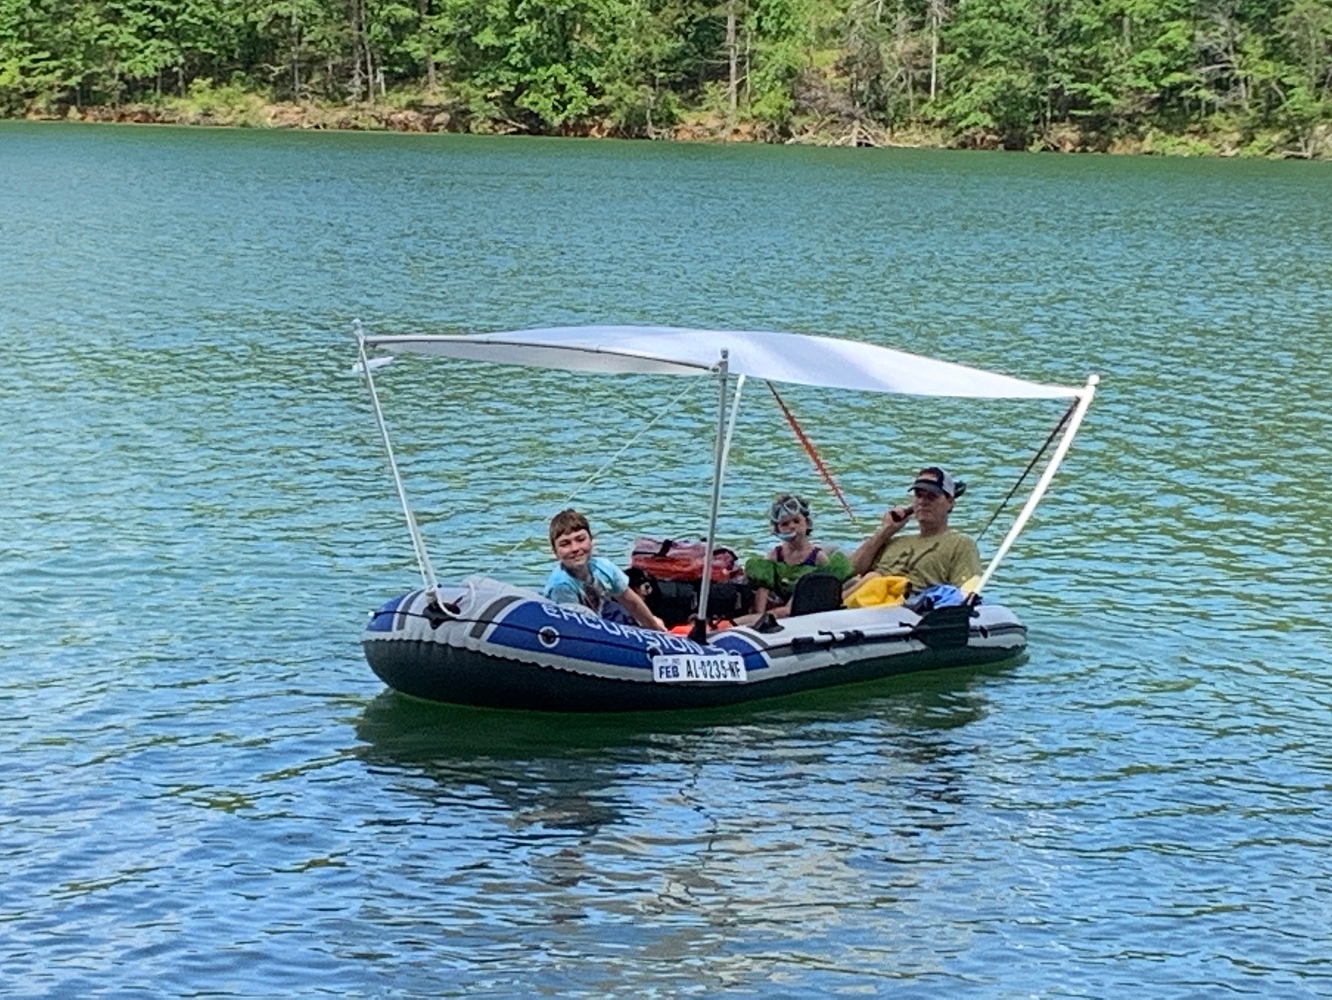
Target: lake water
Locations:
point(207, 792)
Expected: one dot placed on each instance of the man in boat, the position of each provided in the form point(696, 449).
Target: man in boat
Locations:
point(935, 553)
point(588, 579)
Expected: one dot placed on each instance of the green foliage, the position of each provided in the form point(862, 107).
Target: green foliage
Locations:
point(644, 65)
point(300, 47)
point(1306, 77)
point(225, 100)
point(995, 67)
point(1123, 63)
point(1014, 72)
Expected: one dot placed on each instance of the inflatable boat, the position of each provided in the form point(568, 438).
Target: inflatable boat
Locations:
point(485, 642)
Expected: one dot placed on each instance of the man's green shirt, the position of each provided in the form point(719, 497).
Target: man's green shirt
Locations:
point(948, 558)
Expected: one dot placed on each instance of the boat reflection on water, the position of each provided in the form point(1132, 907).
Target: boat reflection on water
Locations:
point(650, 839)
point(552, 771)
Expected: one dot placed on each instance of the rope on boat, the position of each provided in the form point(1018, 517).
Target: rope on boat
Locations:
point(853, 637)
point(1027, 471)
point(438, 619)
point(607, 464)
point(813, 452)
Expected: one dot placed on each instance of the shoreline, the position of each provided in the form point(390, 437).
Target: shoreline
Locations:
point(253, 112)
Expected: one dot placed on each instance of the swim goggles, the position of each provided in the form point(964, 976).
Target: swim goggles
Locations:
point(788, 505)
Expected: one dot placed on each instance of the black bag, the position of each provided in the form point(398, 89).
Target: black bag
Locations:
point(675, 601)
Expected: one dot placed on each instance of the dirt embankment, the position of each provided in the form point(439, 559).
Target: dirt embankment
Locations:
point(821, 130)
point(258, 115)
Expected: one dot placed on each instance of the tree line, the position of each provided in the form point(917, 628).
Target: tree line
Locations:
point(1011, 72)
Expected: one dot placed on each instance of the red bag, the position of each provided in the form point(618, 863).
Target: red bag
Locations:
point(669, 559)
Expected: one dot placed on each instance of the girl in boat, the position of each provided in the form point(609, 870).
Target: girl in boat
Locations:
point(774, 576)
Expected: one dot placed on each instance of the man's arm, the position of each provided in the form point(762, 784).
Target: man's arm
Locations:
point(862, 560)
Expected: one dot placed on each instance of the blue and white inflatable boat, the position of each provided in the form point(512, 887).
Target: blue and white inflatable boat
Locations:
point(484, 642)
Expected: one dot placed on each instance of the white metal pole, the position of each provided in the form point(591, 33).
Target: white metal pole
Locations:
point(730, 426)
point(699, 630)
point(1043, 483)
point(418, 544)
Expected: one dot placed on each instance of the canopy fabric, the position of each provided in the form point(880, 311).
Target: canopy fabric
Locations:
point(795, 358)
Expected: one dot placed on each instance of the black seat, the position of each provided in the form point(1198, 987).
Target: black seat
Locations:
point(815, 592)
point(945, 628)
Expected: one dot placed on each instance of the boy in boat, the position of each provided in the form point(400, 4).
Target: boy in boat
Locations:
point(587, 579)
point(774, 576)
point(936, 553)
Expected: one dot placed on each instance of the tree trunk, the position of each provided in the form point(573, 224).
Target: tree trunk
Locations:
point(356, 49)
point(295, 57)
point(362, 58)
point(1239, 73)
point(902, 64)
point(936, 18)
point(424, 8)
point(733, 54)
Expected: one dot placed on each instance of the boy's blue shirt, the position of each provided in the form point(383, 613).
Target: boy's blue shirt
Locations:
point(565, 589)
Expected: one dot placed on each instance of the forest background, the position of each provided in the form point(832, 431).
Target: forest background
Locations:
point(1231, 76)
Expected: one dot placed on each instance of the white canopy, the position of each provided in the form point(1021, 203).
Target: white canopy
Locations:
point(778, 357)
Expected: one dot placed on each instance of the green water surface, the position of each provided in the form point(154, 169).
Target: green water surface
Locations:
point(206, 791)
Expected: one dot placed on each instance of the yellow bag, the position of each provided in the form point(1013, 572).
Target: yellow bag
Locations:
point(878, 591)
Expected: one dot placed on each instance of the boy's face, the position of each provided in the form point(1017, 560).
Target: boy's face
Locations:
point(573, 549)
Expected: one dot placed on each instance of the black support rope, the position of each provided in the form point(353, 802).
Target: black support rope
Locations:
point(1027, 471)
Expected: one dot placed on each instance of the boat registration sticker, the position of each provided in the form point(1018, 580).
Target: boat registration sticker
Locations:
point(709, 668)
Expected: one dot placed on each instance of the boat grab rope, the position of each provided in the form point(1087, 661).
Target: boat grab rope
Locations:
point(813, 452)
point(1027, 471)
point(823, 640)
point(440, 617)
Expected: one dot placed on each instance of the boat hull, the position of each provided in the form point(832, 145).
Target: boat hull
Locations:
point(493, 645)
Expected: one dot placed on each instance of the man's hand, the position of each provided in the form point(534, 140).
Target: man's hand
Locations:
point(895, 518)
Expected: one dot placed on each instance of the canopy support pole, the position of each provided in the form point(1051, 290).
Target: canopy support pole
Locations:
point(699, 631)
point(1038, 491)
point(730, 426)
point(418, 544)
